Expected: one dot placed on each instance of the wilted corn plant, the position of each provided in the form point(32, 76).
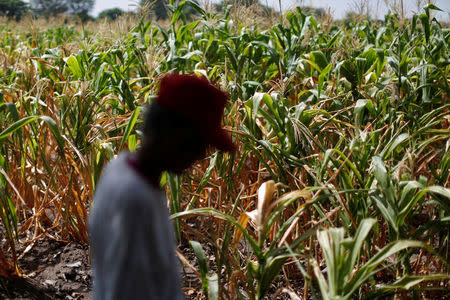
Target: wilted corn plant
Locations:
point(345, 275)
point(347, 142)
point(262, 263)
point(63, 117)
point(357, 111)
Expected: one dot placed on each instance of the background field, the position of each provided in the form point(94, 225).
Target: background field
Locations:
point(350, 121)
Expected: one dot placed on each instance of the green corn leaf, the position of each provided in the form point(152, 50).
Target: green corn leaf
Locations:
point(272, 268)
point(174, 182)
point(393, 144)
point(444, 194)
point(314, 66)
point(132, 142)
point(26, 120)
point(431, 6)
point(409, 281)
point(198, 8)
point(56, 132)
point(17, 125)
point(202, 263)
point(364, 272)
point(130, 126)
point(201, 257)
point(360, 105)
point(380, 172)
point(322, 76)
point(309, 23)
point(8, 214)
point(440, 190)
point(356, 244)
point(388, 214)
point(13, 110)
point(426, 25)
point(323, 284)
point(406, 283)
point(408, 192)
point(256, 101)
point(320, 59)
point(177, 13)
point(204, 181)
point(74, 67)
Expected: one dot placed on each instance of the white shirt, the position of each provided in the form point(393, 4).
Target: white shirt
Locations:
point(132, 239)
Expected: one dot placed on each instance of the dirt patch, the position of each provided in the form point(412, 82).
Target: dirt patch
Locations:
point(60, 270)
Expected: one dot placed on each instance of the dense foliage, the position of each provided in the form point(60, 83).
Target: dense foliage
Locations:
point(343, 133)
point(111, 13)
point(19, 8)
point(159, 7)
point(47, 8)
point(13, 8)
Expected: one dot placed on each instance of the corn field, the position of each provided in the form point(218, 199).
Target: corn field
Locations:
point(339, 190)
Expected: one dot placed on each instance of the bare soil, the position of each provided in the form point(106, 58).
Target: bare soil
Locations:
point(57, 270)
point(60, 270)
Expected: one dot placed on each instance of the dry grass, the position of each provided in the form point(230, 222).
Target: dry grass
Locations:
point(309, 131)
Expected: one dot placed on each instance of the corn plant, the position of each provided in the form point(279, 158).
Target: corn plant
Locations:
point(264, 262)
point(344, 275)
point(354, 113)
point(210, 285)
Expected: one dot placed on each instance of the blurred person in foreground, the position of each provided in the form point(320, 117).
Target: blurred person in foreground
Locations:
point(132, 239)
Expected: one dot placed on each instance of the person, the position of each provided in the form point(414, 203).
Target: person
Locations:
point(131, 237)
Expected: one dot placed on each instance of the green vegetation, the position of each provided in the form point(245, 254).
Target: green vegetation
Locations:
point(47, 8)
point(13, 8)
point(111, 14)
point(158, 7)
point(18, 8)
point(351, 124)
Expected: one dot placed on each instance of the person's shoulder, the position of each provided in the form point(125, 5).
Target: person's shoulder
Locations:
point(119, 161)
point(122, 188)
point(117, 177)
point(117, 169)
